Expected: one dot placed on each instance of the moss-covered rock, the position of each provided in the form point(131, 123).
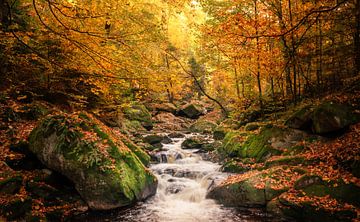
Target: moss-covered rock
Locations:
point(325, 118)
point(285, 160)
point(306, 211)
point(301, 119)
point(255, 146)
point(331, 117)
point(203, 126)
point(241, 193)
point(106, 172)
point(191, 110)
point(139, 113)
point(193, 143)
point(313, 185)
point(233, 166)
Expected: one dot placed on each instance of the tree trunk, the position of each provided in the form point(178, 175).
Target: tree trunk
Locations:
point(237, 83)
point(258, 55)
point(4, 15)
point(357, 37)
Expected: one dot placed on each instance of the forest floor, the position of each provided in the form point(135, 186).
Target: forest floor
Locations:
point(18, 120)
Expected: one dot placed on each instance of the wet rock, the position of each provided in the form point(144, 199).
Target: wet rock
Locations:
point(106, 179)
point(192, 111)
point(155, 139)
point(176, 135)
point(166, 140)
point(193, 143)
point(174, 188)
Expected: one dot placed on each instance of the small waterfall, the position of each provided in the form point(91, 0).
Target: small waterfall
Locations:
point(184, 179)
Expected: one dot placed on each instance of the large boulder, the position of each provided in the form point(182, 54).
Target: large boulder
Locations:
point(106, 172)
point(325, 118)
point(251, 189)
point(191, 110)
point(203, 126)
point(193, 143)
point(139, 113)
point(301, 119)
point(164, 107)
point(169, 122)
point(331, 117)
point(256, 146)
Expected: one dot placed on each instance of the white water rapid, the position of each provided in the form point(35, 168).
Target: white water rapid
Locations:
point(184, 179)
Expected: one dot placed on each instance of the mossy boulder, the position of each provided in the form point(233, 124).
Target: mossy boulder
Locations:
point(139, 113)
point(256, 146)
point(203, 126)
point(327, 117)
point(191, 110)
point(314, 186)
point(298, 210)
point(301, 119)
point(233, 166)
point(106, 172)
point(176, 135)
point(193, 143)
point(253, 188)
point(285, 160)
point(331, 117)
point(243, 193)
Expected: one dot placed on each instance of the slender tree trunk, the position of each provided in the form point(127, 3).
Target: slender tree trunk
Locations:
point(272, 88)
point(170, 86)
point(4, 15)
point(293, 55)
point(237, 83)
point(357, 37)
point(258, 54)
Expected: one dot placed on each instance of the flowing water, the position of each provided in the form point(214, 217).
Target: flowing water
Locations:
point(184, 179)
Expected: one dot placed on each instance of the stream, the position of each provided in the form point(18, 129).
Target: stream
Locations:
point(184, 179)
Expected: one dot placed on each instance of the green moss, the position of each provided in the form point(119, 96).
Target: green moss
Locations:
point(258, 147)
point(232, 166)
point(121, 174)
point(286, 160)
point(144, 157)
point(343, 192)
